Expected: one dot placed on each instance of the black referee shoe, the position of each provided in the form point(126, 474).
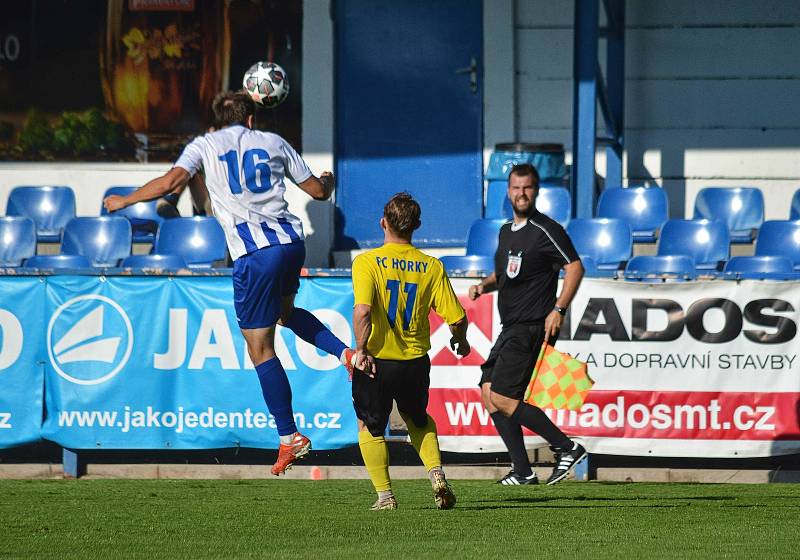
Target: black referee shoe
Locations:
point(565, 461)
point(513, 479)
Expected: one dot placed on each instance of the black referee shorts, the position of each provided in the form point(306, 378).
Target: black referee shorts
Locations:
point(404, 381)
point(512, 359)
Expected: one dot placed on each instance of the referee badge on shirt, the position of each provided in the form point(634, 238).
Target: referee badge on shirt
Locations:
point(514, 264)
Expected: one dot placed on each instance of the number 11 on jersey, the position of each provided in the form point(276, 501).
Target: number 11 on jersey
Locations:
point(394, 292)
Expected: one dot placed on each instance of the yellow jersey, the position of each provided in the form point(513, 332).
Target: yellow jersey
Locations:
point(402, 284)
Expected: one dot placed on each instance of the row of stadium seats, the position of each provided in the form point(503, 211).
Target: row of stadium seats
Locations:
point(52, 207)
point(646, 209)
point(608, 242)
point(106, 241)
point(648, 268)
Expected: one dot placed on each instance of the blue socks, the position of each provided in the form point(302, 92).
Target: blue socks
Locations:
point(277, 394)
point(309, 328)
point(274, 382)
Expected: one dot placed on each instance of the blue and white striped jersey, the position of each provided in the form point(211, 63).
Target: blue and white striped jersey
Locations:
point(245, 171)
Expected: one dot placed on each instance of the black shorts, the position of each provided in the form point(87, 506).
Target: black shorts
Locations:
point(404, 381)
point(512, 359)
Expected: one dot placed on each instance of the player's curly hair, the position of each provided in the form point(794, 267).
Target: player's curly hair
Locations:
point(525, 170)
point(402, 214)
point(231, 108)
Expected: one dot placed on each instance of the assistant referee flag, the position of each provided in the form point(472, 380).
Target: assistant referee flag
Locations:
point(558, 381)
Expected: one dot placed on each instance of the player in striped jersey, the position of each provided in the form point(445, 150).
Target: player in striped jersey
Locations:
point(244, 174)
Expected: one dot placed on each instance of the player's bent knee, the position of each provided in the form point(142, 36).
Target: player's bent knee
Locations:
point(285, 316)
point(502, 403)
point(260, 344)
point(287, 308)
point(486, 398)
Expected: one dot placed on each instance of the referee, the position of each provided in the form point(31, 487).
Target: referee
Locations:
point(531, 251)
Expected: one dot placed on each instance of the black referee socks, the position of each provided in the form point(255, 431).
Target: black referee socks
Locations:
point(536, 420)
point(511, 434)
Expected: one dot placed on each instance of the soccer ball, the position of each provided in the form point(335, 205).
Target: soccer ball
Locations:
point(266, 82)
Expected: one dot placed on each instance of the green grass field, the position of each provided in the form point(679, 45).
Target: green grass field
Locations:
point(330, 519)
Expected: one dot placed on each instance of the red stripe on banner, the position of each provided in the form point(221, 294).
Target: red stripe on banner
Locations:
point(641, 414)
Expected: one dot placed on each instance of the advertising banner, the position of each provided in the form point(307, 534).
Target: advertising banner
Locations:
point(21, 360)
point(707, 369)
point(157, 363)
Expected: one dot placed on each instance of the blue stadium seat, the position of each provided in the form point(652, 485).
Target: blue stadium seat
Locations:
point(469, 263)
point(649, 268)
point(555, 202)
point(590, 269)
point(645, 209)
point(104, 240)
point(759, 267)
point(500, 164)
point(589, 266)
point(497, 203)
point(482, 237)
point(794, 213)
point(608, 241)
point(143, 216)
point(780, 238)
point(58, 261)
point(199, 240)
point(17, 240)
point(154, 261)
point(50, 207)
point(706, 241)
point(740, 208)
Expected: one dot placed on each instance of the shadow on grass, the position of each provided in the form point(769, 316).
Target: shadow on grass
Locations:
point(592, 502)
point(552, 506)
point(531, 499)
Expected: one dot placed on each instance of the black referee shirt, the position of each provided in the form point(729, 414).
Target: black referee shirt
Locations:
point(528, 260)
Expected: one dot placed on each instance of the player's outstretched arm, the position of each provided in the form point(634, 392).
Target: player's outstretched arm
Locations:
point(158, 187)
point(319, 188)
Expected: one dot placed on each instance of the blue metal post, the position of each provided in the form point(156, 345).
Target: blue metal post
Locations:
point(584, 106)
point(615, 87)
point(583, 470)
point(73, 464)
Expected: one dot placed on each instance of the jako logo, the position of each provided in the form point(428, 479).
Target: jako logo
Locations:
point(89, 339)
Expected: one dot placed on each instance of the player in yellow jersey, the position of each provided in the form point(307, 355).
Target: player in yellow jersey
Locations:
point(395, 287)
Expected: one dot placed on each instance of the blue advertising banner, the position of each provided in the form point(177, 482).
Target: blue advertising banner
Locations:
point(155, 363)
point(22, 305)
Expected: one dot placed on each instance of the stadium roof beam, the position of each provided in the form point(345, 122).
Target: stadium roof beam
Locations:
point(589, 87)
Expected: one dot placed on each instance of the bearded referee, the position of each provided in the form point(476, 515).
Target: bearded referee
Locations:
point(532, 249)
point(395, 287)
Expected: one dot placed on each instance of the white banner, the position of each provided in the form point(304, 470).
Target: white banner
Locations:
point(701, 369)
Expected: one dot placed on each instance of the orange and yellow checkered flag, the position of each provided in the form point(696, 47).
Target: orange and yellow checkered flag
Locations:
point(558, 381)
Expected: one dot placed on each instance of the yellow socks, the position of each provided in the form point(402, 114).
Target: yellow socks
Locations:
point(425, 442)
point(376, 459)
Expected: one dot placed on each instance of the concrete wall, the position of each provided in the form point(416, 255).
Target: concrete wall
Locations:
point(711, 92)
